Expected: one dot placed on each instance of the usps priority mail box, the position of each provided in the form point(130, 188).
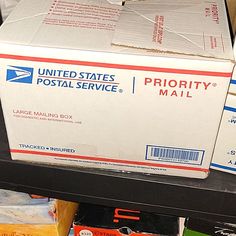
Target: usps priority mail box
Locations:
point(224, 158)
point(132, 88)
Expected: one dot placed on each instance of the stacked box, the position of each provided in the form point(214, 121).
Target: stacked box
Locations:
point(102, 220)
point(224, 157)
point(129, 88)
point(23, 214)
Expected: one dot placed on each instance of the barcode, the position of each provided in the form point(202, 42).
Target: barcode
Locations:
point(174, 154)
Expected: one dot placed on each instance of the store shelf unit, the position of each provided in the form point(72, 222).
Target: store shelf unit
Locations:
point(213, 198)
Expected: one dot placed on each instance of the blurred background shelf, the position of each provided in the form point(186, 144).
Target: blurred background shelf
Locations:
point(213, 198)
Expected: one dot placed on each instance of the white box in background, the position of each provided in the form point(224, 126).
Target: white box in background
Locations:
point(71, 97)
point(224, 157)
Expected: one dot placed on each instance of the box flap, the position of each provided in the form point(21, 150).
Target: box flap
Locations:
point(194, 27)
point(191, 27)
point(77, 24)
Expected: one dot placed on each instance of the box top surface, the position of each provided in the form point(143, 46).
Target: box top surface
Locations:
point(193, 27)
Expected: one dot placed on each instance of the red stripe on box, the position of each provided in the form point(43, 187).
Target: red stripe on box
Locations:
point(101, 159)
point(117, 66)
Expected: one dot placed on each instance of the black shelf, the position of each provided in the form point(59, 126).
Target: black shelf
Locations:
point(213, 198)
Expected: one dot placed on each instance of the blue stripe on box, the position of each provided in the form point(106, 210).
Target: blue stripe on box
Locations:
point(223, 167)
point(232, 81)
point(230, 109)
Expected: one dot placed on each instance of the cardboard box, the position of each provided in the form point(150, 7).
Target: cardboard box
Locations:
point(22, 214)
point(200, 227)
point(81, 87)
point(224, 157)
point(102, 220)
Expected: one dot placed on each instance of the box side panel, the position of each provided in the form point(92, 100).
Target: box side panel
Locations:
point(224, 157)
point(148, 119)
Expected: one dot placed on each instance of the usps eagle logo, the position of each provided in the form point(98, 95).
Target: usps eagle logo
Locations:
point(20, 74)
